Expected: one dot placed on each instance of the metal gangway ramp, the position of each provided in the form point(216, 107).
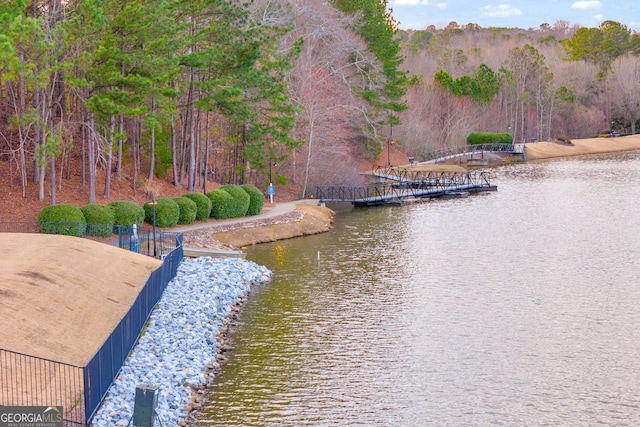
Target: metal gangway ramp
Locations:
point(401, 184)
point(444, 154)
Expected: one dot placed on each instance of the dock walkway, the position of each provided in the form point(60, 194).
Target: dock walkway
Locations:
point(403, 184)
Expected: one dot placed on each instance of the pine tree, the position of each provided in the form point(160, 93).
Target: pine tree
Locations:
point(379, 29)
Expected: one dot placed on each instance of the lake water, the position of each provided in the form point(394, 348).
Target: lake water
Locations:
point(519, 307)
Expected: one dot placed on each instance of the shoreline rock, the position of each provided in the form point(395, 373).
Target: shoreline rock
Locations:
point(180, 350)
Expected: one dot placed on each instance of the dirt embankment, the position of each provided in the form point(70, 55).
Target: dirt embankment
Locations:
point(313, 219)
point(61, 296)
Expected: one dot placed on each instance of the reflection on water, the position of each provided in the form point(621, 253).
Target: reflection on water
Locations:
point(519, 307)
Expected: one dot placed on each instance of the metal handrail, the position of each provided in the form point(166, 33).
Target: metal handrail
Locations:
point(383, 192)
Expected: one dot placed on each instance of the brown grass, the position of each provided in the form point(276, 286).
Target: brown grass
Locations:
point(61, 296)
point(548, 150)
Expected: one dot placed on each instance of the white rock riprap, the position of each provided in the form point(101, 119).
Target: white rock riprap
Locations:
point(178, 348)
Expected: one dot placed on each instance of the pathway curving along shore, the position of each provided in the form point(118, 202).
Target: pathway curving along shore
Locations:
point(276, 222)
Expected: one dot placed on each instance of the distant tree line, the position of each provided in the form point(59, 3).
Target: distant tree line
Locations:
point(554, 82)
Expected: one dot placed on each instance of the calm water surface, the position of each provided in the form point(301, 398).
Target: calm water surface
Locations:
point(514, 308)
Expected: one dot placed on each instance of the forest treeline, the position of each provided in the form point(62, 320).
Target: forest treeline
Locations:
point(204, 90)
point(555, 82)
point(291, 92)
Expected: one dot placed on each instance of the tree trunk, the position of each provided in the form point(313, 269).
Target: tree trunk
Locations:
point(120, 146)
point(192, 156)
point(22, 91)
point(207, 143)
point(152, 143)
point(107, 176)
point(174, 160)
point(52, 178)
point(92, 159)
point(41, 149)
point(86, 136)
point(308, 164)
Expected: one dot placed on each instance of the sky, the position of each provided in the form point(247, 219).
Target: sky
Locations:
point(418, 14)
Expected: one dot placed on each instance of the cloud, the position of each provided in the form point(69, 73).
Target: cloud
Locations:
point(500, 11)
point(587, 4)
point(419, 2)
point(410, 2)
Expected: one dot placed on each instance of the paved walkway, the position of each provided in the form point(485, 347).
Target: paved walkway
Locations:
point(268, 211)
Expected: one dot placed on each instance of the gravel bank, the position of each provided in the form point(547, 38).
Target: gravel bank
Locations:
point(178, 351)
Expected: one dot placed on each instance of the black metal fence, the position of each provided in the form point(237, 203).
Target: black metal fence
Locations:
point(105, 364)
point(404, 186)
point(447, 153)
point(27, 380)
point(32, 381)
point(147, 240)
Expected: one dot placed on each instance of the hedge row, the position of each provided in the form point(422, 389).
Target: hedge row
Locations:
point(477, 138)
point(229, 201)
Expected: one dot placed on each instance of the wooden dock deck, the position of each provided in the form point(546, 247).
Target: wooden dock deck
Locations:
point(213, 253)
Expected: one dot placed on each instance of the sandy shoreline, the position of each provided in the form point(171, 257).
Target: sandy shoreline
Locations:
point(579, 147)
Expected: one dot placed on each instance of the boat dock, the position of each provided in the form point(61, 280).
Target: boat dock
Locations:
point(400, 184)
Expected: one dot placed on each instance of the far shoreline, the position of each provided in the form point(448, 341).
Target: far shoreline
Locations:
point(578, 147)
point(314, 219)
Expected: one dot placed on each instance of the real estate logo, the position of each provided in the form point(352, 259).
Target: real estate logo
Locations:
point(30, 416)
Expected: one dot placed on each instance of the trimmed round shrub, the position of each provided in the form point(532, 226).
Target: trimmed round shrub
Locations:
point(241, 197)
point(188, 210)
point(167, 212)
point(222, 204)
point(203, 204)
point(62, 219)
point(100, 219)
point(256, 199)
point(127, 213)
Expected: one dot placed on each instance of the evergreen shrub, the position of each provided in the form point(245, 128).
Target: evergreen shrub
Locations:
point(100, 219)
point(188, 210)
point(203, 204)
point(167, 212)
point(63, 219)
point(256, 199)
point(478, 138)
point(241, 197)
point(222, 204)
point(127, 213)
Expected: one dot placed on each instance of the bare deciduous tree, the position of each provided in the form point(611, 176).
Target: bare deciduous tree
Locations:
point(625, 89)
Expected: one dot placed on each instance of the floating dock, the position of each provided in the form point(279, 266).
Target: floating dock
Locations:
point(399, 185)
